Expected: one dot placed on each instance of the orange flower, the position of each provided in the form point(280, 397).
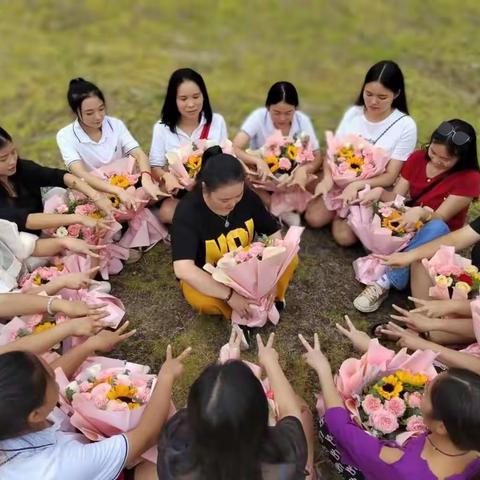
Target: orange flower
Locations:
point(194, 163)
point(273, 163)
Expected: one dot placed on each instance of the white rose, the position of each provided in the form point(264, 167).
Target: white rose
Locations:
point(61, 232)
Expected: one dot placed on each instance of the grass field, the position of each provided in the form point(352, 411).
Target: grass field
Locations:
point(129, 48)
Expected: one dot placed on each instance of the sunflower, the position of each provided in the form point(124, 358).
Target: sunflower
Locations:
point(42, 327)
point(115, 201)
point(355, 164)
point(273, 163)
point(124, 393)
point(392, 222)
point(119, 181)
point(194, 163)
point(389, 387)
point(346, 153)
point(292, 152)
point(417, 380)
point(37, 279)
point(97, 215)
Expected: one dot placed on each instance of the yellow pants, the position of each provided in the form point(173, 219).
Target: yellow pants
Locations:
point(215, 306)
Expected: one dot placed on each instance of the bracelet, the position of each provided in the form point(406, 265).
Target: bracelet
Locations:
point(147, 173)
point(229, 296)
point(49, 306)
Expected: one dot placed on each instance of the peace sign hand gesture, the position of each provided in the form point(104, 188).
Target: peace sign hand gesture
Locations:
point(315, 357)
point(267, 355)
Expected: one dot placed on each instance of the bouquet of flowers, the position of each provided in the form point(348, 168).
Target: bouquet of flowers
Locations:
point(186, 161)
point(351, 158)
point(106, 397)
point(254, 271)
point(41, 276)
point(382, 390)
point(378, 228)
point(63, 201)
point(453, 275)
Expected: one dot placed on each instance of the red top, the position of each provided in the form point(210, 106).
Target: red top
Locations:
point(465, 183)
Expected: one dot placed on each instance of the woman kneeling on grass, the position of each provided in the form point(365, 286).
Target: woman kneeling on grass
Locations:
point(220, 215)
point(450, 412)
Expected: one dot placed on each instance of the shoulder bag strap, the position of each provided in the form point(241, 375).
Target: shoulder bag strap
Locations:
point(389, 127)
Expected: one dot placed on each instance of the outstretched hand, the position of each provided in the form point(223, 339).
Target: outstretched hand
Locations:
point(173, 367)
point(314, 356)
point(360, 340)
point(267, 355)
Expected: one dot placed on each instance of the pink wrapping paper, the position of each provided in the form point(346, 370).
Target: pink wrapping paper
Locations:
point(474, 348)
point(368, 269)
point(293, 200)
point(255, 279)
point(98, 424)
point(443, 262)
point(143, 230)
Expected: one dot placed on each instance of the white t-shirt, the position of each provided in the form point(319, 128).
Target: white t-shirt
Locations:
point(75, 144)
point(164, 140)
point(399, 140)
point(56, 454)
point(259, 126)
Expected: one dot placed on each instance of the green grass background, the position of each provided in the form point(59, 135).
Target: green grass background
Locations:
point(129, 49)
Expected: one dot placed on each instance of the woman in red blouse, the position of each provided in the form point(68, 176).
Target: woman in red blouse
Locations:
point(441, 181)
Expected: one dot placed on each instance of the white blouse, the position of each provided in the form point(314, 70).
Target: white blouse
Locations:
point(115, 143)
point(396, 134)
point(164, 140)
point(259, 126)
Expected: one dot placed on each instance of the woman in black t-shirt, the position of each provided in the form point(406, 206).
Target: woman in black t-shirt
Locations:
point(221, 214)
point(20, 195)
point(223, 433)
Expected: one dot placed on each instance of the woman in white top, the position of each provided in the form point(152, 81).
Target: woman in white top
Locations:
point(380, 115)
point(95, 139)
point(186, 116)
point(280, 113)
point(36, 439)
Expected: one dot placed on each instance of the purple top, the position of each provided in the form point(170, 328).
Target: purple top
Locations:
point(362, 451)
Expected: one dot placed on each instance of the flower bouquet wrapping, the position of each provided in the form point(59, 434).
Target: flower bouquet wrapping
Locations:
point(283, 155)
point(254, 271)
point(378, 228)
point(144, 229)
point(382, 390)
point(186, 161)
point(227, 353)
point(474, 348)
point(106, 397)
point(351, 158)
point(453, 275)
point(41, 275)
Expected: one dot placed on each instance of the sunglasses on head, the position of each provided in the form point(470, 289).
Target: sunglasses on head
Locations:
point(447, 130)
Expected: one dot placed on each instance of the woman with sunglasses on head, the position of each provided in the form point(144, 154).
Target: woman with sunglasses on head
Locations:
point(187, 116)
point(380, 115)
point(441, 180)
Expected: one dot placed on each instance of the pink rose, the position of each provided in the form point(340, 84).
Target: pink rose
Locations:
point(85, 386)
point(415, 400)
point(74, 230)
point(385, 211)
point(371, 404)
point(85, 209)
point(384, 421)
point(285, 163)
point(116, 406)
point(62, 209)
point(396, 405)
point(34, 320)
point(449, 270)
point(342, 168)
point(99, 395)
point(415, 424)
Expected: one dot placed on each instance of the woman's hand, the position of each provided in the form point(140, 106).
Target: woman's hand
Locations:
point(412, 320)
point(86, 326)
point(350, 193)
point(315, 357)
point(78, 280)
point(435, 308)
point(240, 305)
point(300, 177)
point(106, 340)
point(371, 196)
point(411, 218)
point(267, 355)
point(77, 308)
point(104, 204)
point(129, 199)
point(323, 187)
point(405, 338)
point(76, 245)
point(172, 185)
point(263, 170)
point(173, 367)
point(396, 260)
point(151, 188)
point(360, 340)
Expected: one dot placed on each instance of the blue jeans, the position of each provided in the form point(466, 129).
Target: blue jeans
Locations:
point(399, 277)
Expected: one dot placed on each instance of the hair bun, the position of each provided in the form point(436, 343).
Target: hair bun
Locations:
point(73, 81)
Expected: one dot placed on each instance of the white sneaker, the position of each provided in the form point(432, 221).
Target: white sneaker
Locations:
point(101, 286)
point(291, 219)
point(371, 298)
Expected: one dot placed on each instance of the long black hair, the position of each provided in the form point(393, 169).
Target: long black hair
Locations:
point(466, 153)
point(455, 397)
point(5, 138)
point(282, 92)
point(227, 412)
point(389, 74)
point(23, 385)
point(80, 89)
point(170, 114)
point(219, 169)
